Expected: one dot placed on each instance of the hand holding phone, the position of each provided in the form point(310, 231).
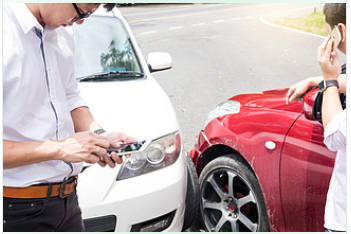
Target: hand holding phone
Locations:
point(129, 148)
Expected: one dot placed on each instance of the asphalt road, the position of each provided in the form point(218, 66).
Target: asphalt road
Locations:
point(220, 50)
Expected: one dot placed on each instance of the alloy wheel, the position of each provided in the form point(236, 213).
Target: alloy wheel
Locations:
point(228, 201)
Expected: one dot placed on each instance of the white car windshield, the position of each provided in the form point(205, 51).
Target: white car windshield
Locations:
point(104, 51)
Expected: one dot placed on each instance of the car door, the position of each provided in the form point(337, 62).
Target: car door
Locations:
point(306, 167)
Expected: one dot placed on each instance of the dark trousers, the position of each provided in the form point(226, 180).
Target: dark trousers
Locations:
point(52, 214)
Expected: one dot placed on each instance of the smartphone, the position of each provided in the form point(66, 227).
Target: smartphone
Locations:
point(335, 34)
point(129, 148)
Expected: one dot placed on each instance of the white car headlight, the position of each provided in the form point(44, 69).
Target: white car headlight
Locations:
point(161, 152)
point(155, 154)
point(135, 161)
point(225, 108)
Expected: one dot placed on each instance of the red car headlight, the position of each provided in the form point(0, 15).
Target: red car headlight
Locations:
point(224, 108)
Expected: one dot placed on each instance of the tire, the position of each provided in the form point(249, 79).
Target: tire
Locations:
point(235, 208)
point(192, 201)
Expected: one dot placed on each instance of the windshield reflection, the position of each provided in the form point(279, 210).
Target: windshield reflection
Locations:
point(102, 45)
point(117, 60)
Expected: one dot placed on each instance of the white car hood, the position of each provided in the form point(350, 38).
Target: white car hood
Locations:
point(139, 108)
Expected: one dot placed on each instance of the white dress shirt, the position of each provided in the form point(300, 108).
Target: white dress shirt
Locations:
point(335, 140)
point(37, 100)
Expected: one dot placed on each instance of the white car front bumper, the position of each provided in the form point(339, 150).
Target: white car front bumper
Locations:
point(150, 202)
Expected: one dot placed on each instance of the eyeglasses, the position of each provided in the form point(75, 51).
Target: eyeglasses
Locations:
point(80, 16)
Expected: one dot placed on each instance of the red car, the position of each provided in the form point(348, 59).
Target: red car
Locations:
point(263, 165)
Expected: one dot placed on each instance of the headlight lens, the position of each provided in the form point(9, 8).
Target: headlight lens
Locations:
point(161, 152)
point(225, 108)
point(135, 161)
point(155, 154)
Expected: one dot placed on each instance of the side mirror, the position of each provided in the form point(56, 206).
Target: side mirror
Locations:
point(312, 101)
point(312, 105)
point(158, 61)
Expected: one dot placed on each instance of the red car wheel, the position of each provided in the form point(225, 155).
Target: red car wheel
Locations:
point(231, 198)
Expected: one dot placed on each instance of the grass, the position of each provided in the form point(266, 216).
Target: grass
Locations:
point(313, 23)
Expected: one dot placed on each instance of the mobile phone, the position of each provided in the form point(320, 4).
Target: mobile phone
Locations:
point(129, 148)
point(335, 34)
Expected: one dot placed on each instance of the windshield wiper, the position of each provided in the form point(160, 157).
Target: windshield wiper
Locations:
point(111, 76)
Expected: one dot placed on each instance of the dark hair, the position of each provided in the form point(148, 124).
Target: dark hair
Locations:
point(335, 13)
point(107, 6)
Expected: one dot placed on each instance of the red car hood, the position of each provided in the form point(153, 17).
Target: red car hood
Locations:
point(270, 99)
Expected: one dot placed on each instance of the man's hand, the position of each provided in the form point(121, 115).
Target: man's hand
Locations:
point(297, 90)
point(115, 140)
point(328, 60)
point(83, 147)
point(331, 68)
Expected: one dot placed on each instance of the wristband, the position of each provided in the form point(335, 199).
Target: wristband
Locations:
point(324, 84)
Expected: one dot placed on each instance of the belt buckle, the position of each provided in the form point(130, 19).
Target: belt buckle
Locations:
point(62, 190)
point(63, 186)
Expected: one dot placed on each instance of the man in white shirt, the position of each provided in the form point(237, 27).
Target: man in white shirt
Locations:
point(47, 129)
point(333, 115)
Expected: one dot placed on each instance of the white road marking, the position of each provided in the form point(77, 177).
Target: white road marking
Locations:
point(219, 21)
point(198, 24)
point(262, 19)
point(175, 28)
point(148, 32)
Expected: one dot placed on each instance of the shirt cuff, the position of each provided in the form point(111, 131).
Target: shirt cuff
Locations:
point(335, 132)
point(76, 102)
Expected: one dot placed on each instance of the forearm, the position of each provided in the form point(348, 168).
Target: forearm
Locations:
point(331, 104)
point(83, 120)
point(342, 83)
point(314, 81)
point(16, 154)
point(80, 147)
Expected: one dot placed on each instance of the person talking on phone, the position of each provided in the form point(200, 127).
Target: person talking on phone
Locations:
point(297, 90)
point(48, 131)
point(333, 115)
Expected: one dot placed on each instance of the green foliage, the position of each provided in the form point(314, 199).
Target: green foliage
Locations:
point(117, 58)
point(313, 23)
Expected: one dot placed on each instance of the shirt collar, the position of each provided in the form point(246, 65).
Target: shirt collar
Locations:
point(25, 18)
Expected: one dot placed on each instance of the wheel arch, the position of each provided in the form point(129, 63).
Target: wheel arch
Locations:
point(216, 151)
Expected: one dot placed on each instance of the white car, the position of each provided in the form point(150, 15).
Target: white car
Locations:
point(156, 189)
